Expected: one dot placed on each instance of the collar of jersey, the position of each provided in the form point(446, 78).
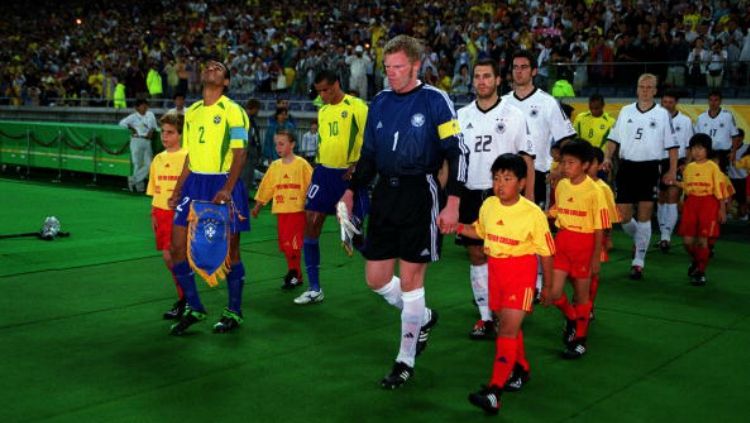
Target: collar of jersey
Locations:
point(528, 96)
point(419, 86)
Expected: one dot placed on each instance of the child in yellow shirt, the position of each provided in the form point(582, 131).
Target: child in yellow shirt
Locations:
point(163, 174)
point(286, 182)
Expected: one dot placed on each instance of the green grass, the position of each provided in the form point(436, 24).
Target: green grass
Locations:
point(81, 337)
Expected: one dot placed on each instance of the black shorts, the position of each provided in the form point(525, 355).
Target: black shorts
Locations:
point(468, 212)
point(403, 219)
point(540, 188)
point(637, 181)
point(740, 190)
point(664, 168)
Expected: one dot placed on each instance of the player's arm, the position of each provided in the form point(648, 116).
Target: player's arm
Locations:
point(457, 154)
point(468, 231)
point(544, 245)
point(238, 129)
point(608, 154)
point(596, 256)
point(530, 176)
point(238, 161)
point(366, 168)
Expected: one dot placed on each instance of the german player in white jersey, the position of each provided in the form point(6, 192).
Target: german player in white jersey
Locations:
point(548, 124)
point(643, 131)
point(490, 127)
point(720, 125)
point(669, 195)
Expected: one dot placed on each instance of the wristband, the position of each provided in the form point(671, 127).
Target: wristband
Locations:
point(460, 228)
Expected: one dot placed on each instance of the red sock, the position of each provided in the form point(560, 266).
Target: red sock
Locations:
point(567, 310)
point(702, 255)
point(293, 261)
point(180, 295)
point(690, 250)
point(505, 359)
point(594, 287)
point(582, 319)
point(521, 352)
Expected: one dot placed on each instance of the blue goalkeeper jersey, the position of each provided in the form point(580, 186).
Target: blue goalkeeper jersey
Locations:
point(412, 133)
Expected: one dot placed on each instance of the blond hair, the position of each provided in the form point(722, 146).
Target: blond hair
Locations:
point(412, 47)
point(175, 119)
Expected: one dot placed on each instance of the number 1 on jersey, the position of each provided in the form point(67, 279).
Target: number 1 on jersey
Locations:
point(395, 141)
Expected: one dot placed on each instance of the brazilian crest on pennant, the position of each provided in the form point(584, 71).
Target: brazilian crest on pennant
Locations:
point(209, 231)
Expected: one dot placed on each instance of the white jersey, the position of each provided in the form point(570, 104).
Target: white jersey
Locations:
point(140, 123)
point(732, 171)
point(643, 135)
point(683, 130)
point(721, 128)
point(490, 133)
point(547, 123)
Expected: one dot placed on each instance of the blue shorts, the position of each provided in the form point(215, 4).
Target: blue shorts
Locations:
point(203, 187)
point(327, 187)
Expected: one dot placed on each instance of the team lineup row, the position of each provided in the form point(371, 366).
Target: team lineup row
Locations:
point(482, 172)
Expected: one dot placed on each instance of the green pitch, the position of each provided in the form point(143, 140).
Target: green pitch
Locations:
point(81, 335)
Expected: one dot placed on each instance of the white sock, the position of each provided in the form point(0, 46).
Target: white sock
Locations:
point(629, 227)
point(670, 220)
point(391, 292)
point(411, 322)
point(479, 287)
point(642, 240)
point(661, 217)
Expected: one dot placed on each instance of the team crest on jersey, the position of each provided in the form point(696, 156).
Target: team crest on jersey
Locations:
point(534, 113)
point(677, 129)
point(652, 124)
point(217, 119)
point(721, 125)
point(417, 120)
point(344, 114)
point(500, 128)
point(601, 127)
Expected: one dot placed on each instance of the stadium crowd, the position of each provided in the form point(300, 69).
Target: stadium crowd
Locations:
point(77, 50)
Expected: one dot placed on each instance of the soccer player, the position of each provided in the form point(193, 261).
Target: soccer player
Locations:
point(643, 131)
point(411, 130)
point(286, 182)
point(515, 231)
point(739, 171)
point(581, 214)
point(704, 208)
point(614, 217)
point(669, 195)
point(142, 124)
point(548, 124)
point(342, 121)
point(594, 125)
point(720, 125)
point(215, 137)
point(490, 127)
point(165, 170)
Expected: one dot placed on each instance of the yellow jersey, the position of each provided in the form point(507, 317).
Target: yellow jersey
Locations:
point(609, 197)
point(211, 132)
point(341, 132)
point(593, 129)
point(513, 231)
point(701, 179)
point(580, 208)
point(286, 184)
point(162, 177)
point(743, 163)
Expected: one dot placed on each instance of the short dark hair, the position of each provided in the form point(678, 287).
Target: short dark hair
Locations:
point(596, 97)
point(510, 162)
point(178, 94)
point(488, 62)
point(524, 54)
point(279, 111)
point(672, 93)
point(326, 75)
point(701, 140)
point(140, 101)
point(715, 93)
point(289, 134)
point(579, 149)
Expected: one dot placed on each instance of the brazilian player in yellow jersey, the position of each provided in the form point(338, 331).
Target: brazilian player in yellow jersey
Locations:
point(215, 136)
point(341, 125)
point(593, 126)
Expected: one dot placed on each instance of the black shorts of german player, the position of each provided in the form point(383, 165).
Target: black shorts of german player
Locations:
point(468, 212)
point(664, 169)
point(637, 181)
point(540, 188)
point(403, 219)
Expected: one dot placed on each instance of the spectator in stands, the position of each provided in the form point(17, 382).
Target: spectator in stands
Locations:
point(281, 121)
point(179, 104)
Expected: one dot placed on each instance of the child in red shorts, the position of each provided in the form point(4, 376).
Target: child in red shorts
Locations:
point(704, 208)
point(581, 214)
point(165, 170)
point(286, 182)
point(515, 231)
